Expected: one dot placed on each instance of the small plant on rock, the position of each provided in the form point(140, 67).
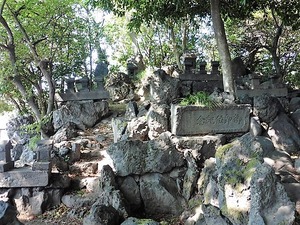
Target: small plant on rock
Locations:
point(200, 99)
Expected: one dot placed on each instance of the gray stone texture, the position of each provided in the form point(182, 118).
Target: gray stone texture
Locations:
point(294, 104)
point(193, 120)
point(163, 88)
point(295, 116)
point(131, 192)
point(137, 129)
point(119, 128)
point(266, 108)
point(136, 221)
point(284, 134)
point(102, 214)
point(120, 86)
point(137, 157)
point(82, 113)
point(161, 195)
point(158, 118)
point(255, 126)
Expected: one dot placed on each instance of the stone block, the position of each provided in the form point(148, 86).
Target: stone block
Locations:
point(76, 96)
point(24, 177)
point(6, 166)
point(43, 155)
point(275, 92)
point(41, 166)
point(193, 120)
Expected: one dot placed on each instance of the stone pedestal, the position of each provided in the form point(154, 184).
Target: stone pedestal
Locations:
point(43, 159)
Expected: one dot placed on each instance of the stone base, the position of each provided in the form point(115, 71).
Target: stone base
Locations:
point(195, 120)
point(6, 166)
point(24, 177)
point(41, 166)
point(275, 92)
point(83, 95)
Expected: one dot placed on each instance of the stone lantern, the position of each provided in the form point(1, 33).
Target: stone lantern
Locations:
point(215, 67)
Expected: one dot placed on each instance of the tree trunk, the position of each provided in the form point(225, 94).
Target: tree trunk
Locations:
point(220, 35)
point(176, 52)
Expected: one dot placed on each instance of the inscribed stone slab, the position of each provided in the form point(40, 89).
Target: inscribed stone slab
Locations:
point(193, 120)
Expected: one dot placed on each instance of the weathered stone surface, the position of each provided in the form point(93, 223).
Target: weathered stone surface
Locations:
point(131, 110)
point(242, 188)
point(283, 134)
point(266, 108)
point(269, 203)
point(255, 126)
point(136, 221)
point(203, 147)
point(119, 128)
point(27, 157)
point(193, 120)
point(163, 88)
point(161, 195)
point(294, 104)
point(82, 113)
point(65, 133)
point(107, 181)
point(137, 157)
point(120, 86)
point(158, 120)
point(24, 177)
point(137, 129)
point(191, 176)
point(295, 116)
point(8, 214)
point(131, 192)
point(101, 214)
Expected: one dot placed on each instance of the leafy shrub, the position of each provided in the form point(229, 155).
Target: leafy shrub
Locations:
point(200, 99)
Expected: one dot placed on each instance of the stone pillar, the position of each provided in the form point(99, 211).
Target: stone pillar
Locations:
point(100, 83)
point(82, 84)
point(203, 68)
point(43, 157)
point(255, 81)
point(6, 163)
point(70, 85)
point(215, 68)
point(189, 62)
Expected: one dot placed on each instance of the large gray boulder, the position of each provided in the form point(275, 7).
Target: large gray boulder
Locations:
point(120, 86)
point(137, 157)
point(161, 195)
point(102, 214)
point(243, 187)
point(266, 107)
point(284, 135)
point(158, 118)
point(163, 88)
point(82, 113)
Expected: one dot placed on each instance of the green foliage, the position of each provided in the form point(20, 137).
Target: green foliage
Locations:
point(33, 142)
point(5, 107)
point(199, 99)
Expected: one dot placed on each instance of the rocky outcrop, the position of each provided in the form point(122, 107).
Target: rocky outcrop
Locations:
point(242, 188)
point(137, 157)
point(120, 86)
point(82, 113)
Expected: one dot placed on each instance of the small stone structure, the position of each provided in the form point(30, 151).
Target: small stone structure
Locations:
point(79, 89)
point(35, 176)
point(195, 120)
point(196, 78)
